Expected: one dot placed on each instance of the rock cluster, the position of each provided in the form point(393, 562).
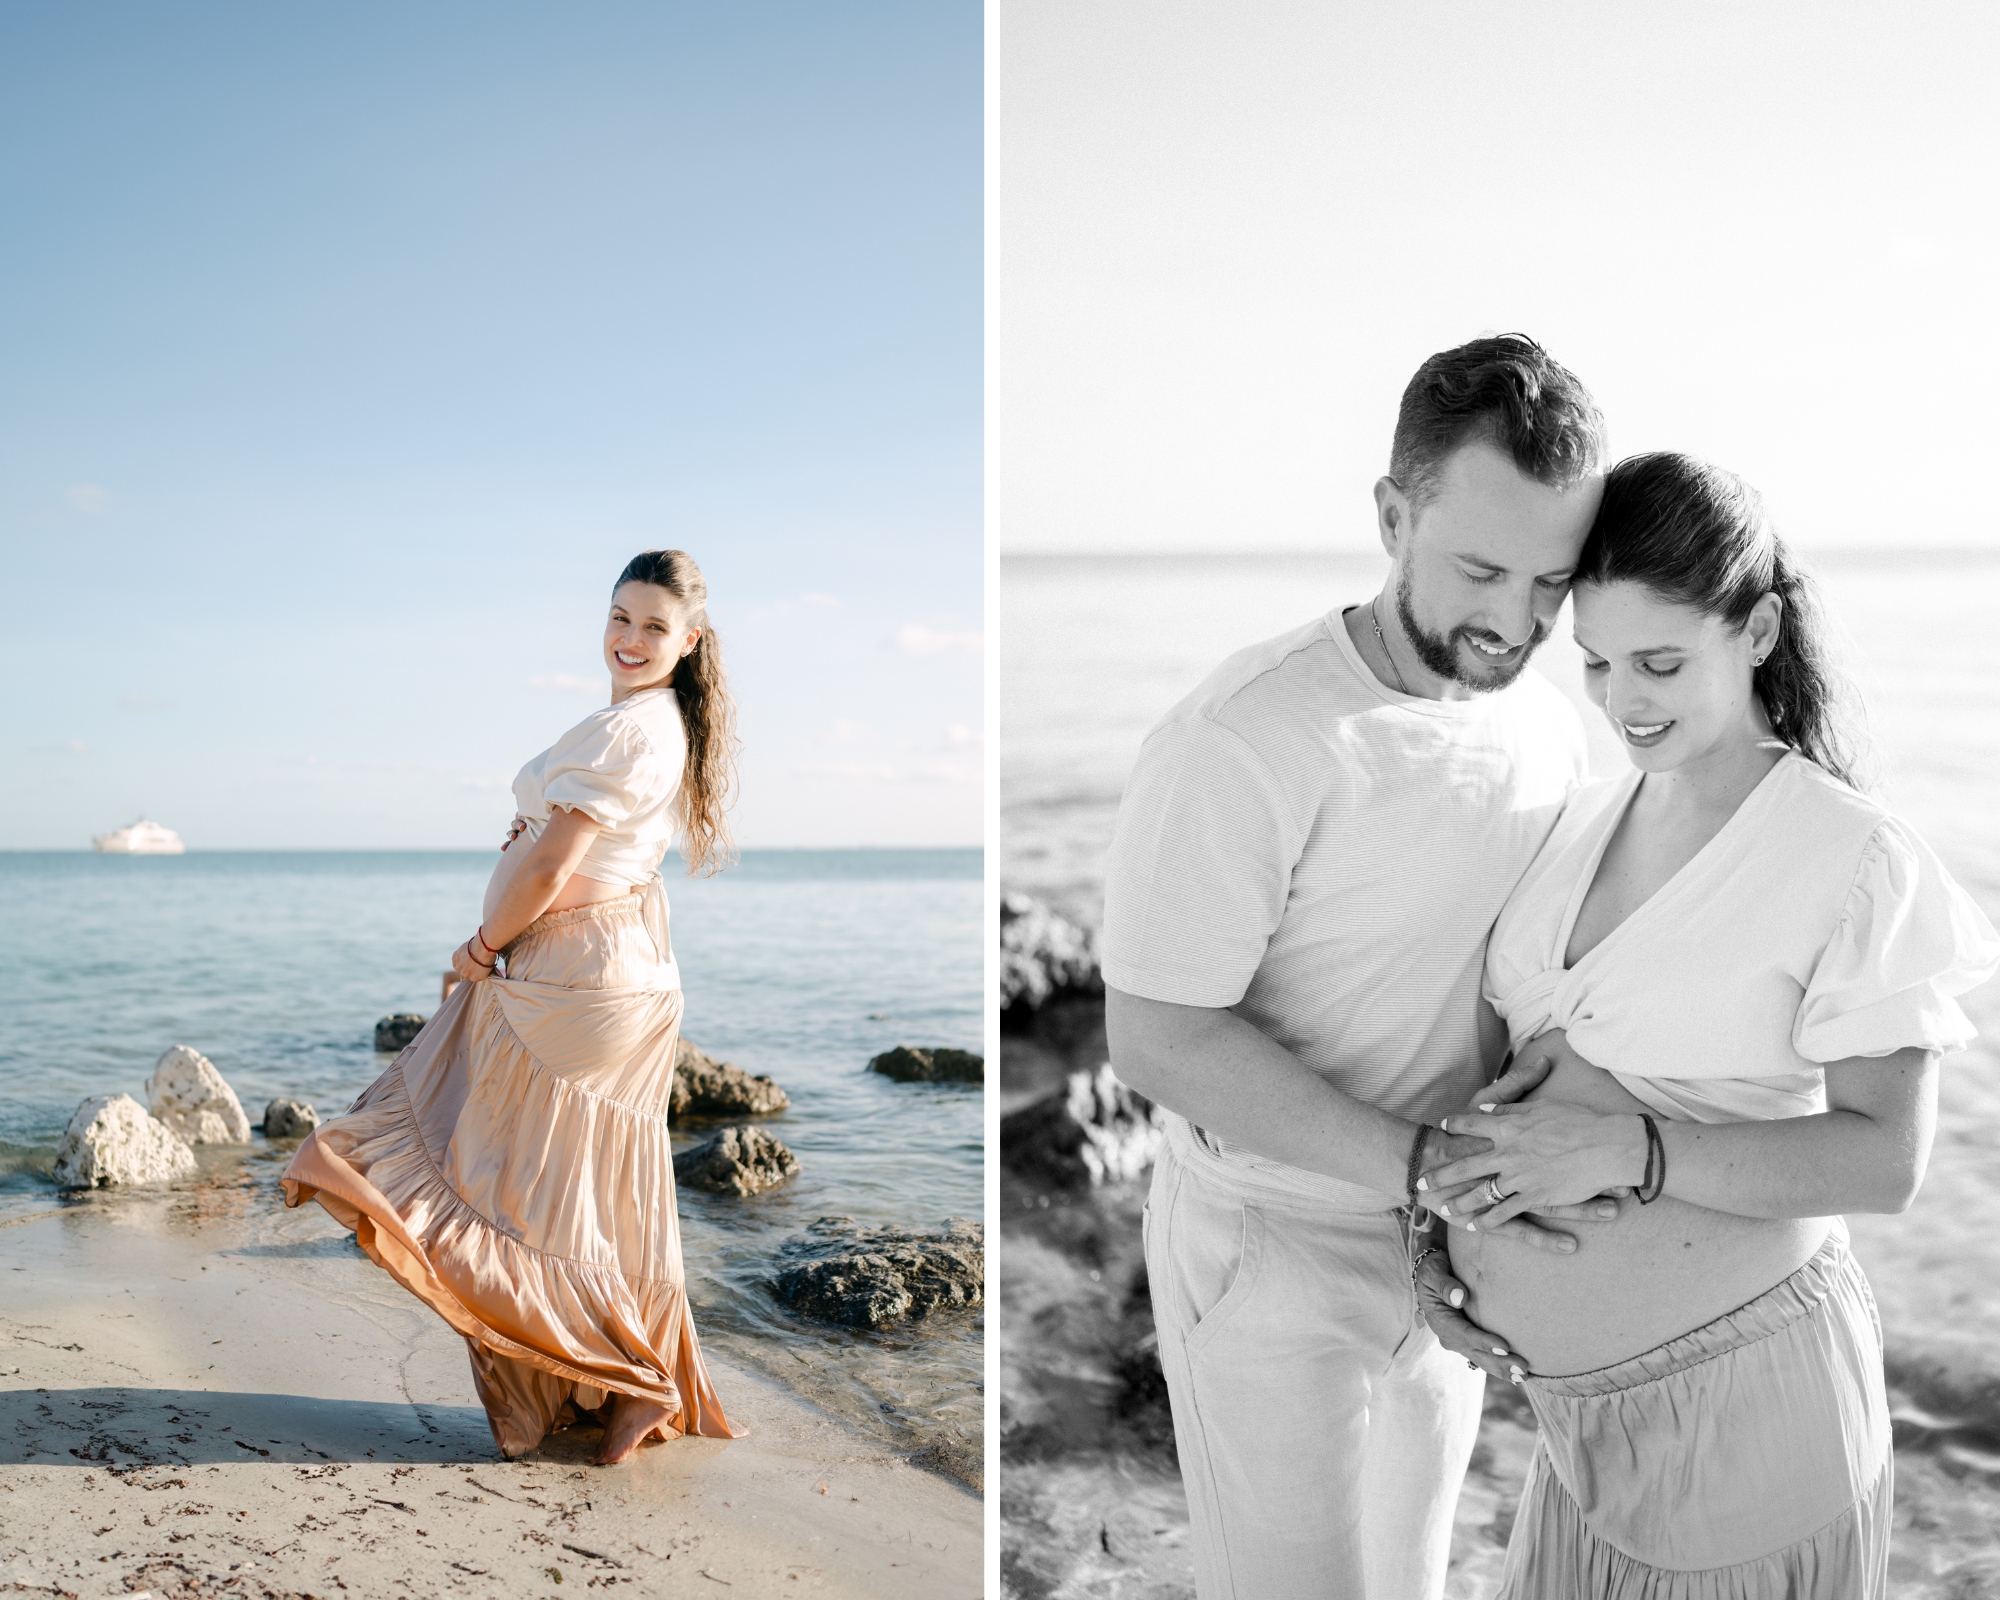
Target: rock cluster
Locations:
point(289, 1119)
point(939, 1065)
point(1093, 1130)
point(839, 1271)
point(1044, 955)
point(394, 1033)
point(705, 1087)
point(190, 1097)
point(736, 1161)
point(111, 1140)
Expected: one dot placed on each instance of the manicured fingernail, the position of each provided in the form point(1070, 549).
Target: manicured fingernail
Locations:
point(1499, 1349)
point(1445, 1209)
point(1487, 1107)
point(1423, 1183)
point(1514, 1373)
point(1457, 1298)
point(1472, 1227)
point(1607, 1211)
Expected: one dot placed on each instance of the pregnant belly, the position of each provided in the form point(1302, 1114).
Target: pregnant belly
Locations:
point(1654, 1274)
point(577, 890)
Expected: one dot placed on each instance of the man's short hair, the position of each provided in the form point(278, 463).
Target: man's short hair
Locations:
point(1506, 390)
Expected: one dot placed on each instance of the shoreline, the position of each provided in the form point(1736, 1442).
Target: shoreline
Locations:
point(189, 1411)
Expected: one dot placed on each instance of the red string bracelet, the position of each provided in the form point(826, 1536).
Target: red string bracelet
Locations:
point(479, 933)
point(488, 965)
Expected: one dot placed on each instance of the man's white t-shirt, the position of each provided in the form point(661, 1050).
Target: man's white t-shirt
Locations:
point(1325, 857)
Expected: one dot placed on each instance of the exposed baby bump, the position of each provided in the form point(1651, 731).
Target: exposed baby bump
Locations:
point(1656, 1272)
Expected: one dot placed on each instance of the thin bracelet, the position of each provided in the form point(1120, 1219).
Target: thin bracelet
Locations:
point(1414, 1167)
point(479, 933)
point(1417, 1265)
point(1656, 1163)
point(488, 965)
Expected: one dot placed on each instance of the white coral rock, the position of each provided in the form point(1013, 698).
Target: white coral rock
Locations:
point(190, 1096)
point(112, 1140)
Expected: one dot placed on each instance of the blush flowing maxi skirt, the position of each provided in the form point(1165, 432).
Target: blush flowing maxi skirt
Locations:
point(512, 1170)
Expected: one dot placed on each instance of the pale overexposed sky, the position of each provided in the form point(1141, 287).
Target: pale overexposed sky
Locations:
point(1229, 232)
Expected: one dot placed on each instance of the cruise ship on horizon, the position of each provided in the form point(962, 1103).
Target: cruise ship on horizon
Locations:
point(142, 838)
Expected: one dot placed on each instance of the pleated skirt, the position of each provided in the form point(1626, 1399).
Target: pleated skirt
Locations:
point(1748, 1460)
point(512, 1170)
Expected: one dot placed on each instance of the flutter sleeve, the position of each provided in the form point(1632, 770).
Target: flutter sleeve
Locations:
point(1908, 942)
point(601, 770)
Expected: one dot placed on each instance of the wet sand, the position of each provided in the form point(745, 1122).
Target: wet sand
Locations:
point(191, 1405)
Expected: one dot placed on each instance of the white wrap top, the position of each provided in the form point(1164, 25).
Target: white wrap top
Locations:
point(1812, 928)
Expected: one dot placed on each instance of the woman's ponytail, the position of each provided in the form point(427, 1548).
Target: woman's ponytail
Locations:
point(1802, 692)
point(708, 714)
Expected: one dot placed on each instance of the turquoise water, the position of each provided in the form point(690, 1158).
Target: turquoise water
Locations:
point(802, 964)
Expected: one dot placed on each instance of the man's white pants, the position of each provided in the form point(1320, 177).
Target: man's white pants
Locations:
point(1323, 1432)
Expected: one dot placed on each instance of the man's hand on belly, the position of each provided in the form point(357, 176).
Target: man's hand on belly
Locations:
point(1457, 1164)
point(1551, 1159)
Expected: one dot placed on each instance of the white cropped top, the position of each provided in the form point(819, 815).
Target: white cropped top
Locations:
point(1814, 927)
point(621, 767)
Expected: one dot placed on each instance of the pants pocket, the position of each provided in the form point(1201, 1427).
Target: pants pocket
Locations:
point(1216, 1249)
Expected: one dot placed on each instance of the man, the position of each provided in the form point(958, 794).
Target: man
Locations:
point(1309, 855)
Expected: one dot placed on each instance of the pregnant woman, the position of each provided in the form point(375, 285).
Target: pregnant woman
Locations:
point(1743, 971)
point(512, 1168)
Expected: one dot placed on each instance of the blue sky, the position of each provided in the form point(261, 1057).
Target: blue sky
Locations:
point(351, 351)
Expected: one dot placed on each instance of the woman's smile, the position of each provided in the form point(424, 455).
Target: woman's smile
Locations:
point(1644, 735)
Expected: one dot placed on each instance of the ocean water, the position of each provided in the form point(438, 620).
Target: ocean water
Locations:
point(802, 964)
point(1095, 650)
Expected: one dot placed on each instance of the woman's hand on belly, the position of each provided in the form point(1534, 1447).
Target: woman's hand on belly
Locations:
point(1552, 1154)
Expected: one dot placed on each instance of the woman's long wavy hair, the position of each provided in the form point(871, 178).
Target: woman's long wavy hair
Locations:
point(707, 712)
point(1698, 536)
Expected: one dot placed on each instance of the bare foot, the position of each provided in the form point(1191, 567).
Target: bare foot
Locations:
point(631, 1420)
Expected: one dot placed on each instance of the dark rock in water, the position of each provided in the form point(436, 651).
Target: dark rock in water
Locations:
point(840, 1271)
point(953, 1458)
point(1043, 955)
point(940, 1065)
point(289, 1119)
point(1093, 1130)
point(393, 1034)
point(736, 1161)
point(705, 1087)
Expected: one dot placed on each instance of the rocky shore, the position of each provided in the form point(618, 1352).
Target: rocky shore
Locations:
point(1091, 1501)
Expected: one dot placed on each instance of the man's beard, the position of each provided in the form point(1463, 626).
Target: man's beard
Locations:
point(1440, 652)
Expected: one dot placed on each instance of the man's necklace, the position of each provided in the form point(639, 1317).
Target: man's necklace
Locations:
point(1374, 608)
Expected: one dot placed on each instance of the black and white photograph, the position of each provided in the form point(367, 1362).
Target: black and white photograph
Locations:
point(1497, 748)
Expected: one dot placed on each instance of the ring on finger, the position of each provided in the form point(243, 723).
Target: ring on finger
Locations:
point(1493, 1191)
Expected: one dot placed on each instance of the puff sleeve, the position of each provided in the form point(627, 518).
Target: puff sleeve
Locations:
point(1909, 941)
point(600, 769)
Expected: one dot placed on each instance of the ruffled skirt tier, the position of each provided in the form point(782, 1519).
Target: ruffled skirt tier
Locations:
point(512, 1169)
point(1747, 1460)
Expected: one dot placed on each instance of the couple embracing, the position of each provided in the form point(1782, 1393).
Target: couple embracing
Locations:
point(1359, 870)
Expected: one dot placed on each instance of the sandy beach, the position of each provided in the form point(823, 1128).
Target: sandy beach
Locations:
point(199, 1396)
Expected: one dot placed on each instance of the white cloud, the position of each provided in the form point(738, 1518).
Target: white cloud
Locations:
point(846, 731)
point(564, 683)
point(959, 736)
point(847, 769)
point(913, 638)
point(87, 497)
